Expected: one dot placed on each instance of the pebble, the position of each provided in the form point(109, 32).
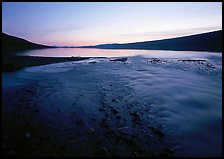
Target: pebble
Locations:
point(79, 122)
point(61, 110)
point(159, 133)
point(144, 131)
point(92, 130)
point(118, 117)
point(134, 114)
point(134, 136)
point(114, 110)
point(28, 135)
point(101, 109)
point(168, 150)
point(135, 153)
point(104, 149)
point(92, 62)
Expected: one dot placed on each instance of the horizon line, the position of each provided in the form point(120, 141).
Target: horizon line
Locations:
point(115, 42)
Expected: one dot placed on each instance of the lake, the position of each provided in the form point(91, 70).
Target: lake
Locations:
point(87, 52)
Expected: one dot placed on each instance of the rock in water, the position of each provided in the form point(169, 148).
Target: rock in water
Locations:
point(92, 62)
point(119, 59)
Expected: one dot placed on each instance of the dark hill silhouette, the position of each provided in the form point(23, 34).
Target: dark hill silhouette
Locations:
point(211, 41)
point(11, 44)
point(12, 62)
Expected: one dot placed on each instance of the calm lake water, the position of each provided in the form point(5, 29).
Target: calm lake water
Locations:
point(86, 52)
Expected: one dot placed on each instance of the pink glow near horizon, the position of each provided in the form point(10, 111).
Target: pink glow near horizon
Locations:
point(123, 39)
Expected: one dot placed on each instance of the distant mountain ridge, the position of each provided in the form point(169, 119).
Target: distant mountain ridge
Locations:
point(211, 41)
point(11, 44)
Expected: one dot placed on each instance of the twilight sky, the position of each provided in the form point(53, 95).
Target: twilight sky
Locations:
point(90, 23)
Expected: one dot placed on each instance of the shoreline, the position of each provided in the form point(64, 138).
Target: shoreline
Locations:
point(90, 111)
point(114, 108)
point(14, 63)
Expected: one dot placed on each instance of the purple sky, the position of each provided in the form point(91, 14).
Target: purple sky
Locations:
point(90, 23)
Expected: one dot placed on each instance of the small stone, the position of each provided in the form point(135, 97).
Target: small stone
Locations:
point(104, 149)
point(134, 136)
point(92, 62)
point(79, 122)
point(159, 133)
point(28, 135)
point(168, 150)
point(92, 130)
point(104, 124)
point(60, 110)
point(119, 59)
point(135, 153)
point(118, 117)
point(144, 131)
point(115, 111)
point(134, 114)
point(101, 109)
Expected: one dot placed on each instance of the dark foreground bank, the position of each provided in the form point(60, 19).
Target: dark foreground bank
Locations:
point(13, 63)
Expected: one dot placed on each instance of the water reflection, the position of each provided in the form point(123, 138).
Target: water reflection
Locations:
point(86, 52)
